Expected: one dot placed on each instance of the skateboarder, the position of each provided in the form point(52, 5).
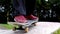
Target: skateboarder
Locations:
point(23, 10)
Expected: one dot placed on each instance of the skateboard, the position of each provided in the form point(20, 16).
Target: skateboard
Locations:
point(25, 26)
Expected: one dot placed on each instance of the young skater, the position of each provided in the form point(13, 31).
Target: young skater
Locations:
point(23, 10)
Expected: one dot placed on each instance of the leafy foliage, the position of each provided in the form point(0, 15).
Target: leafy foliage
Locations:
point(57, 32)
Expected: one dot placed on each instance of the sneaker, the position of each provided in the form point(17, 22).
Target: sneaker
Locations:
point(31, 17)
point(20, 19)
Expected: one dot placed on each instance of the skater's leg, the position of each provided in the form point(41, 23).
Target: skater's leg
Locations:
point(19, 7)
point(30, 6)
point(19, 11)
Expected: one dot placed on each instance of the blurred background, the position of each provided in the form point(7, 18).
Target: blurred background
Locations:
point(46, 10)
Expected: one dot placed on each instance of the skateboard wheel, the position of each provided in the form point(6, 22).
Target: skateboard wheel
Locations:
point(34, 24)
point(26, 29)
point(14, 28)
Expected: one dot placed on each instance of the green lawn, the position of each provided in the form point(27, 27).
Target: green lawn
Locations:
point(8, 26)
point(57, 32)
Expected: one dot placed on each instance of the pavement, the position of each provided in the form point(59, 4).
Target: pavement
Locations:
point(41, 28)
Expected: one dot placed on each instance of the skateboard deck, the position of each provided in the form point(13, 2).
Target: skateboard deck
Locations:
point(29, 22)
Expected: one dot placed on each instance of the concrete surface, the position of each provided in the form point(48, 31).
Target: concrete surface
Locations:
point(41, 28)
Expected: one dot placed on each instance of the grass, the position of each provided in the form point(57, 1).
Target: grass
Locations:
point(8, 26)
point(57, 32)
